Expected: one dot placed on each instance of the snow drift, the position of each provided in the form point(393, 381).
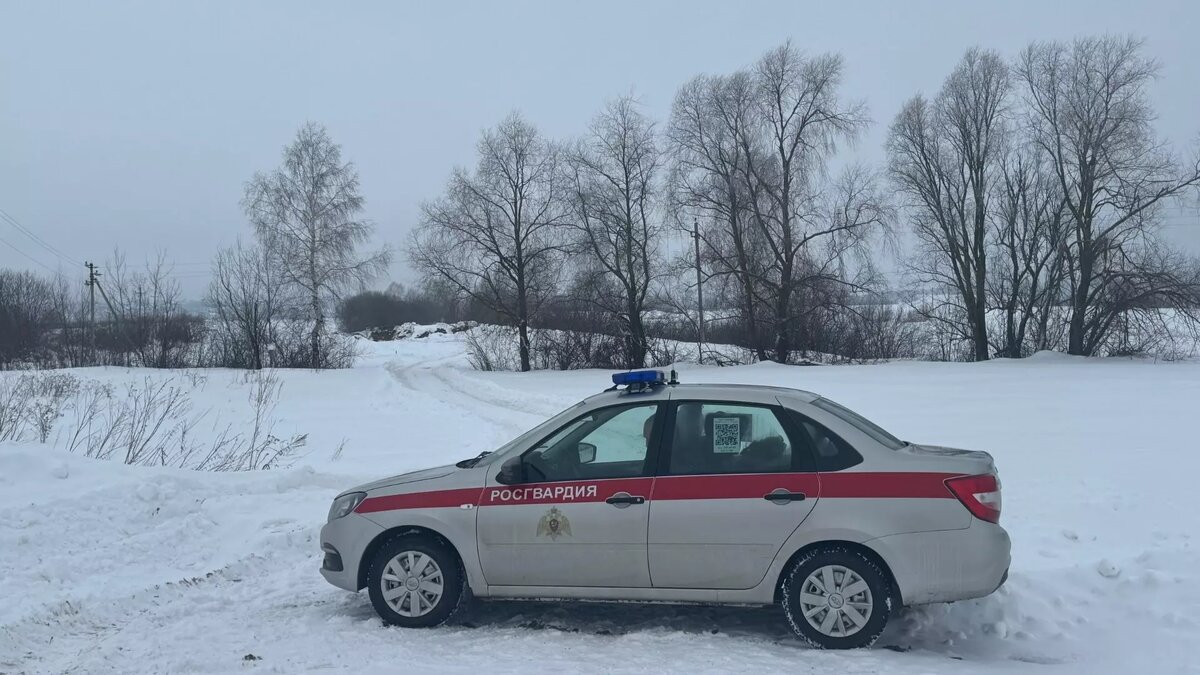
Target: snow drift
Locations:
point(112, 568)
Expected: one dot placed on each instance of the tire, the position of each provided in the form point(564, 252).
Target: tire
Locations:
point(404, 574)
point(835, 620)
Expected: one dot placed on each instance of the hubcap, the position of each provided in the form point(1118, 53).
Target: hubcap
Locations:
point(836, 601)
point(412, 584)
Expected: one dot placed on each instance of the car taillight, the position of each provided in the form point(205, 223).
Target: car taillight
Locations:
point(980, 494)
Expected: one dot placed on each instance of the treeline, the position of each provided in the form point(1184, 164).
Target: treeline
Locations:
point(267, 301)
point(46, 321)
point(1033, 187)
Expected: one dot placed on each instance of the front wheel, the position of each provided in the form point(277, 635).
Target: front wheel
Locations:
point(415, 582)
point(837, 598)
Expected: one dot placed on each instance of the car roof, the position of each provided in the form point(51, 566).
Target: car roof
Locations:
point(748, 393)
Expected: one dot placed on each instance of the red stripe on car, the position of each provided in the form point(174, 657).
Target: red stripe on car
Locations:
point(564, 492)
point(848, 485)
point(420, 500)
point(886, 485)
point(734, 486)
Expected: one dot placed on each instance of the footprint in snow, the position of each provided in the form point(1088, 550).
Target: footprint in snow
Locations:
point(1107, 569)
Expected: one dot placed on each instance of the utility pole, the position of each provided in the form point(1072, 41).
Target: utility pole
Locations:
point(91, 284)
point(116, 317)
point(699, 289)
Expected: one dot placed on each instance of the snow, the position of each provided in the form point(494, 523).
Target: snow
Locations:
point(108, 568)
point(416, 331)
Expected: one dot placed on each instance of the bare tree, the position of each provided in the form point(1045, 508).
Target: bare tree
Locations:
point(26, 305)
point(494, 236)
point(613, 174)
point(306, 215)
point(147, 313)
point(944, 156)
point(799, 121)
point(784, 242)
point(71, 347)
point(1151, 301)
point(1026, 267)
point(1089, 114)
point(710, 117)
point(247, 297)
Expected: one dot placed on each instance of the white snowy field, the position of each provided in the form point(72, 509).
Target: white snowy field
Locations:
point(108, 568)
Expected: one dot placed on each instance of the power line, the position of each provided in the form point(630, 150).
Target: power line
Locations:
point(38, 240)
point(23, 253)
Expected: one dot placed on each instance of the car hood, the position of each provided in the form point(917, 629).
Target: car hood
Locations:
point(967, 461)
point(410, 477)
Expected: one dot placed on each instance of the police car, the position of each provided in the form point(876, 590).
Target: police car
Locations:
point(659, 491)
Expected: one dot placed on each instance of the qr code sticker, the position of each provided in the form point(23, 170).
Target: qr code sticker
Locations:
point(727, 434)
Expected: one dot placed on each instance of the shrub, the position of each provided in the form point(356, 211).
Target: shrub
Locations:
point(33, 403)
point(148, 423)
point(373, 309)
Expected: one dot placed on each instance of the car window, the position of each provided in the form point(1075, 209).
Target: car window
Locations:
point(861, 423)
point(829, 450)
point(605, 443)
point(710, 438)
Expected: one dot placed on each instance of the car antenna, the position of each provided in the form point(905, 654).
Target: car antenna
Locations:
point(674, 377)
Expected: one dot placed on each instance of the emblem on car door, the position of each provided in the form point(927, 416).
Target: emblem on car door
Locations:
point(554, 524)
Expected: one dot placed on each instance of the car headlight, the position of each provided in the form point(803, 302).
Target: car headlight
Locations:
point(343, 505)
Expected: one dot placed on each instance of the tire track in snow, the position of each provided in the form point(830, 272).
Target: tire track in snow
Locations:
point(61, 637)
point(545, 408)
point(423, 379)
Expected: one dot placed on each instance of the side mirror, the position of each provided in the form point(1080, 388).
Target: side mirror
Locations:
point(511, 471)
point(587, 453)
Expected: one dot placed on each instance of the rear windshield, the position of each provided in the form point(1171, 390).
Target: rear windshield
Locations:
point(861, 423)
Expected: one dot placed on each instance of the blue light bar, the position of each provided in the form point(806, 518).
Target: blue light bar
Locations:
point(644, 377)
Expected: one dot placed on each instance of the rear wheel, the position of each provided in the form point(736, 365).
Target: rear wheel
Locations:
point(837, 598)
point(415, 581)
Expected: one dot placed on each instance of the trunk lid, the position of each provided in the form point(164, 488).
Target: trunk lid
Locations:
point(954, 459)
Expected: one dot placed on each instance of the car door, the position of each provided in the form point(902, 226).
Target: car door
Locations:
point(733, 484)
point(573, 510)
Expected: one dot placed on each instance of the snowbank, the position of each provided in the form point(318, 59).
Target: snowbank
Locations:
point(108, 568)
point(415, 331)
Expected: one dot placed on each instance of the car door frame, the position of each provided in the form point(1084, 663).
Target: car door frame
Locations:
point(804, 465)
point(644, 479)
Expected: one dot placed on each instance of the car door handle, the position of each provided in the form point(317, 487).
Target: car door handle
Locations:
point(783, 496)
point(622, 500)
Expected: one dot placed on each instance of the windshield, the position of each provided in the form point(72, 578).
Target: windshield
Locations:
point(861, 423)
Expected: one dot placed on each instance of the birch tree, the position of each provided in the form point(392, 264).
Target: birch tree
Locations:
point(307, 215)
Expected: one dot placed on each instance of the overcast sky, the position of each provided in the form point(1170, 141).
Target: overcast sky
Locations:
point(135, 125)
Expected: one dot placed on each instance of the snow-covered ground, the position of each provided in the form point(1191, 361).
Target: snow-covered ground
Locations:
point(108, 568)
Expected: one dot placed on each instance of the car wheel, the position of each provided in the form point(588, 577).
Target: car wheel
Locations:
point(837, 598)
point(415, 581)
